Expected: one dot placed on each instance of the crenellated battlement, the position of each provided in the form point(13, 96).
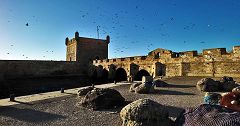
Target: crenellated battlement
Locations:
point(161, 54)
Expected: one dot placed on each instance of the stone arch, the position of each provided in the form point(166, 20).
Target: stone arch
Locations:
point(140, 74)
point(121, 75)
point(133, 69)
point(99, 69)
point(112, 72)
point(93, 76)
point(92, 73)
point(104, 77)
point(160, 69)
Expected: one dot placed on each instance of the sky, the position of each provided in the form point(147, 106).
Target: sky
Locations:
point(36, 29)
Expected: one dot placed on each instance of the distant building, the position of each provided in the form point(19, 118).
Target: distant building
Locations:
point(85, 50)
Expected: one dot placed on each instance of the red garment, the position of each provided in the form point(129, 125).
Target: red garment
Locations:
point(228, 98)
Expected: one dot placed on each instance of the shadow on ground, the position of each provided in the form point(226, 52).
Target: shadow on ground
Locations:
point(180, 86)
point(168, 92)
point(28, 115)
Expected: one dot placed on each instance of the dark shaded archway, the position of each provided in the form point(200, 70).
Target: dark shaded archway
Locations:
point(140, 74)
point(161, 69)
point(121, 75)
point(104, 78)
point(93, 76)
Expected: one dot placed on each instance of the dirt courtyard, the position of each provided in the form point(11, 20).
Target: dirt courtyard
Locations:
point(65, 111)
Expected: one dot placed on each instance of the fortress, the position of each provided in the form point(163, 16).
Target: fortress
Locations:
point(215, 62)
point(87, 59)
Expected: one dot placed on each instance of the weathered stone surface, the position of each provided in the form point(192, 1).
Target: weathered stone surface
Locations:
point(134, 86)
point(147, 79)
point(228, 86)
point(226, 79)
point(145, 112)
point(102, 98)
point(236, 89)
point(145, 88)
point(160, 83)
point(208, 85)
point(85, 90)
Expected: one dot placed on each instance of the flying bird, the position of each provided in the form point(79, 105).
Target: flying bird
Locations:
point(27, 24)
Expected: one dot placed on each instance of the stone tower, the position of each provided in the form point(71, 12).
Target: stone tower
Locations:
point(86, 50)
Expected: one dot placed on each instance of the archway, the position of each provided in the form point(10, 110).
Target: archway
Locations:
point(104, 78)
point(140, 74)
point(93, 76)
point(160, 69)
point(121, 75)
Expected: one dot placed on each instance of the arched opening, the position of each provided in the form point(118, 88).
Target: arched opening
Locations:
point(140, 74)
point(121, 75)
point(160, 69)
point(104, 78)
point(93, 76)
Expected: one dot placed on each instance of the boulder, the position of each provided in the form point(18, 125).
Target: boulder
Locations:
point(208, 85)
point(145, 88)
point(229, 85)
point(147, 79)
point(236, 89)
point(226, 79)
point(160, 83)
point(102, 98)
point(84, 91)
point(134, 86)
point(145, 112)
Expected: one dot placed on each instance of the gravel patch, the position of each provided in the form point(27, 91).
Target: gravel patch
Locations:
point(65, 111)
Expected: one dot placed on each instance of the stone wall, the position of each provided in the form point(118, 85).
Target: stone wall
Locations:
point(23, 77)
point(212, 62)
point(14, 69)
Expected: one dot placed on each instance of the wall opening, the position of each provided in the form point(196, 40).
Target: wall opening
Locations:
point(140, 74)
point(104, 78)
point(121, 75)
point(97, 58)
point(93, 77)
point(158, 55)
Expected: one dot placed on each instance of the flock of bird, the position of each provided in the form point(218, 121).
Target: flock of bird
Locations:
point(117, 22)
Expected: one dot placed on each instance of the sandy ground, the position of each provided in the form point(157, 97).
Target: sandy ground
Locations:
point(65, 110)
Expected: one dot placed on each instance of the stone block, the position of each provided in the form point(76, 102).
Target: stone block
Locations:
point(147, 79)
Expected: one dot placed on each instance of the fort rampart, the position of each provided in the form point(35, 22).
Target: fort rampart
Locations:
point(215, 62)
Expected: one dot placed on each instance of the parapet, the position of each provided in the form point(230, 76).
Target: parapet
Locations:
point(163, 53)
point(140, 57)
point(217, 52)
point(188, 54)
point(85, 39)
point(236, 51)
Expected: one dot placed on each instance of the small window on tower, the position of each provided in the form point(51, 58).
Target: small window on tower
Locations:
point(97, 57)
